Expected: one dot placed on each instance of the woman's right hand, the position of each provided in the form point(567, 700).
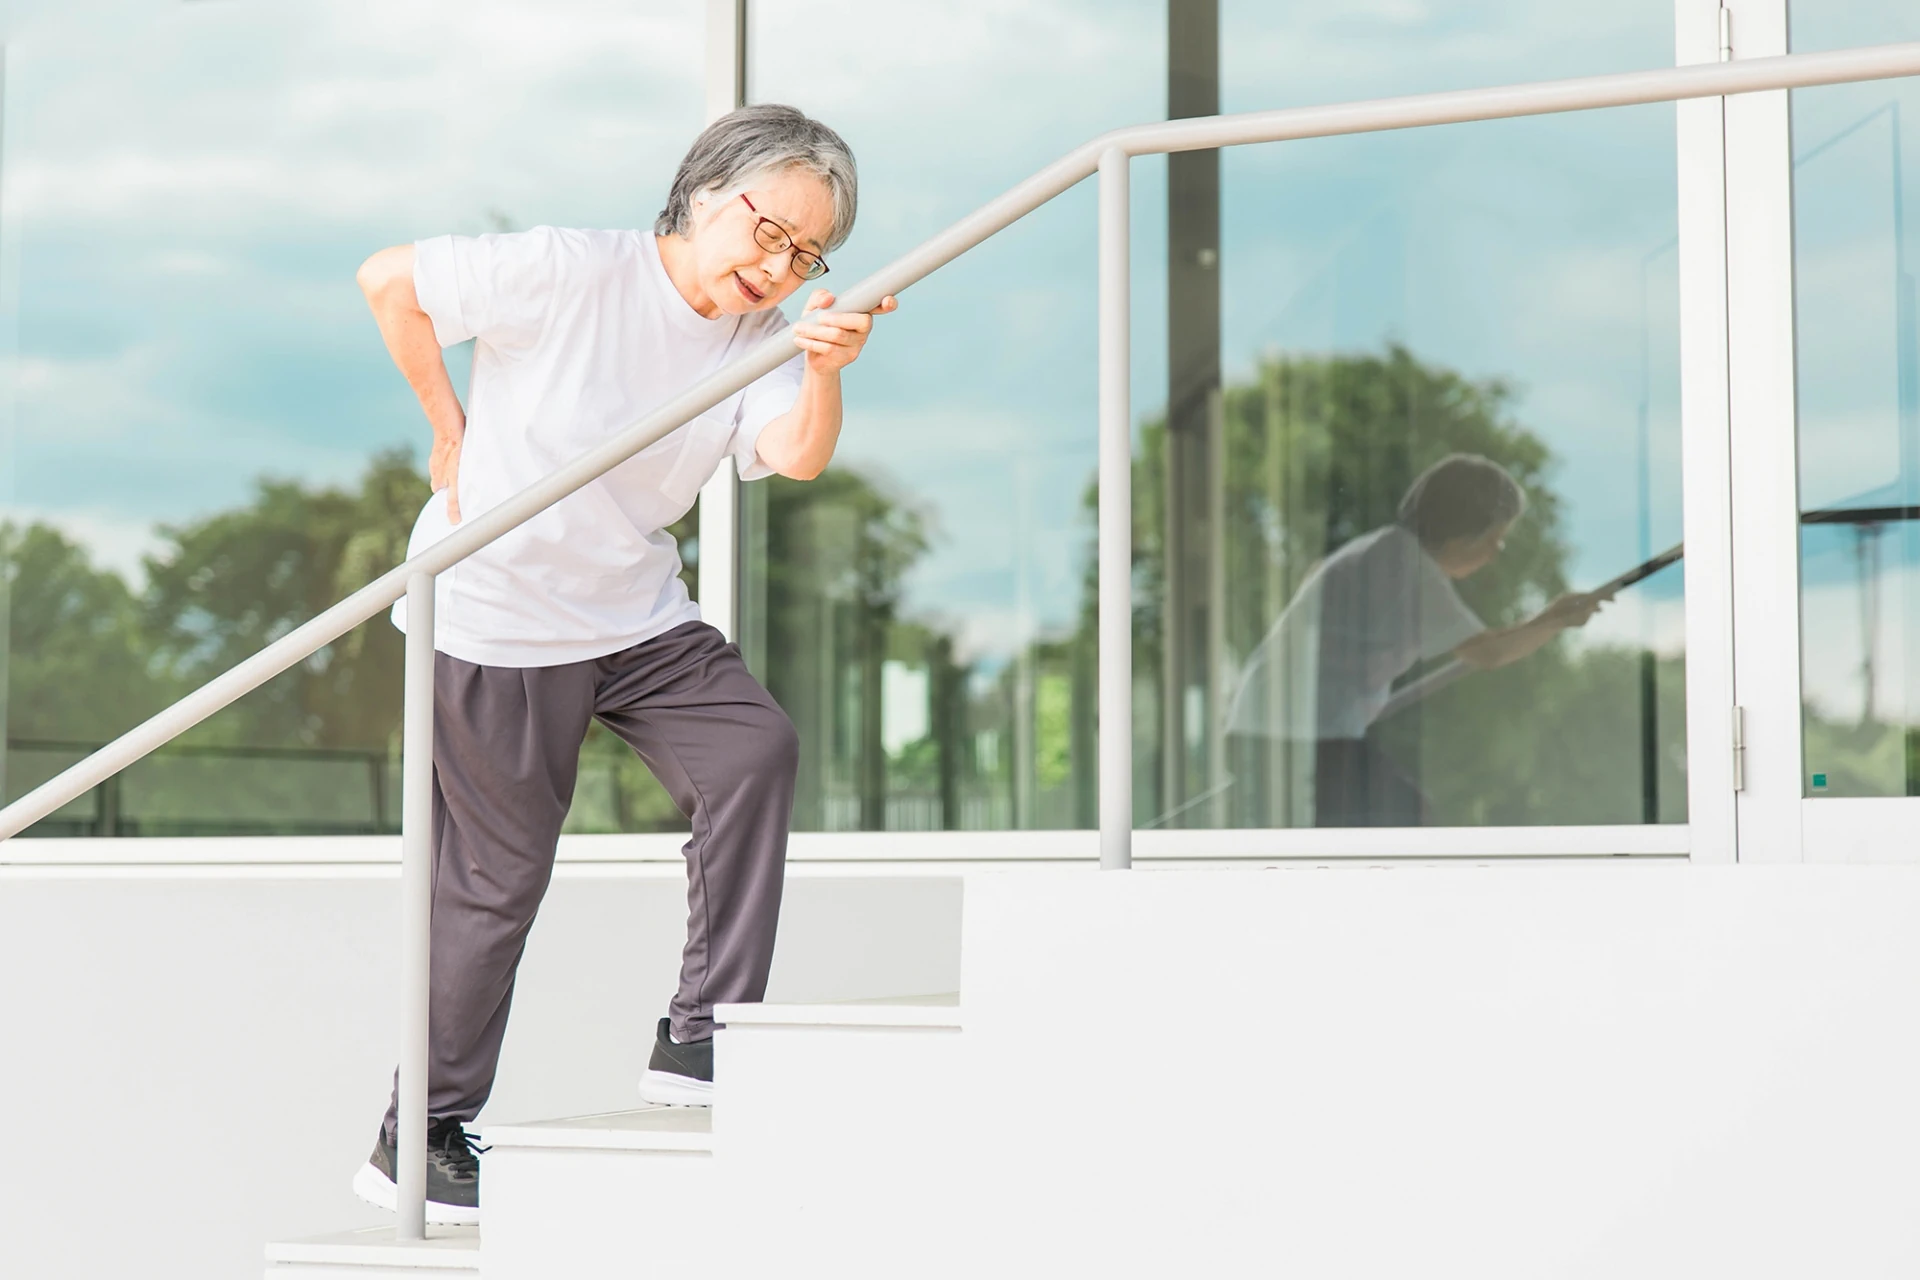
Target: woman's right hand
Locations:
point(1575, 609)
point(443, 469)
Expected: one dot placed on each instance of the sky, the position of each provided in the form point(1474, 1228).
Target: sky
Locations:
point(1512, 250)
point(187, 193)
point(188, 198)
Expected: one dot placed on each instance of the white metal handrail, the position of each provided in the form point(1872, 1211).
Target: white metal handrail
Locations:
point(1108, 155)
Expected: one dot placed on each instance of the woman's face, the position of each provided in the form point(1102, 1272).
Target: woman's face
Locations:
point(1463, 556)
point(734, 271)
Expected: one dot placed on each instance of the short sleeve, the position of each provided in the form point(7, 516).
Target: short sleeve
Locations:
point(497, 288)
point(1442, 621)
point(762, 402)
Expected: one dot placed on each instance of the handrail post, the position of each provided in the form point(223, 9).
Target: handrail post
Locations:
point(1116, 521)
point(416, 906)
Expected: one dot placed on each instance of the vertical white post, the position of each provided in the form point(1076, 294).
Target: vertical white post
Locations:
point(1765, 463)
point(416, 904)
point(1706, 444)
point(719, 512)
point(1116, 522)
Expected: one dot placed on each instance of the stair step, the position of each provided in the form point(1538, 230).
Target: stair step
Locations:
point(940, 1011)
point(589, 1196)
point(642, 1129)
point(372, 1253)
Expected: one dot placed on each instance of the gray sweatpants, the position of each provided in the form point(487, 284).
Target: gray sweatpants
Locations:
point(506, 750)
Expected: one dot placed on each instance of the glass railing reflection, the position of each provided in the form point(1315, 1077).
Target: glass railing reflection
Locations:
point(218, 791)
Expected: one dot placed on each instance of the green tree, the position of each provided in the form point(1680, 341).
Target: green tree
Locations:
point(838, 552)
point(224, 587)
point(90, 659)
point(1319, 450)
point(80, 667)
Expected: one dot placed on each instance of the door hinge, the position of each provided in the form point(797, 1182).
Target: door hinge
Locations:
point(1739, 748)
point(1726, 34)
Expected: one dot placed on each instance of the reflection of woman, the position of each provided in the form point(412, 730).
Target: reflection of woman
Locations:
point(1374, 608)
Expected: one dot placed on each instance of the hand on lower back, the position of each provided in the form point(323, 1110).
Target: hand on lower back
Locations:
point(443, 471)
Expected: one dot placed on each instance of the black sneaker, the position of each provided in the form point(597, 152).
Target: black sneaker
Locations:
point(679, 1075)
point(453, 1174)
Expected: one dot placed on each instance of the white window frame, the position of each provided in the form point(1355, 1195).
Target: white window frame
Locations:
point(1710, 833)
point(1777, 822)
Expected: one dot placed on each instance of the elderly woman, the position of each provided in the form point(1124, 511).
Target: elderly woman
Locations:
point(580, 613)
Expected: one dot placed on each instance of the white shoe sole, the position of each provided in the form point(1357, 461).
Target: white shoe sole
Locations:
point(376, 1188)
point(664, 1089)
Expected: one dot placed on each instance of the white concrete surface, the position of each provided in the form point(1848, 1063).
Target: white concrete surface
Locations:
point(1574, 1071)
point(448, 1253)
point(1598, 1070)
point(191, 1067)
point(626, 1194)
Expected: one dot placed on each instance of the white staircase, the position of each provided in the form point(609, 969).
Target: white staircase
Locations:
point(614, 1194)
point(1524, 1071)
point(806, 1088)
point(373, 1254)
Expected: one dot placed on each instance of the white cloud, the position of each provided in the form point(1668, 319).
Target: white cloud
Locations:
point(86, 401)
point(226, 114)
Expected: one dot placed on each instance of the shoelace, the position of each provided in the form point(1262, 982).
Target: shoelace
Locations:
point(457, 1148)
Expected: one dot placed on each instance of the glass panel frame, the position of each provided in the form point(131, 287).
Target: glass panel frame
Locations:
point(1709, 834)
point(1779, 818)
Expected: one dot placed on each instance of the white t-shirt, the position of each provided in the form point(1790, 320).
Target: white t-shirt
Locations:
point(578, 335)
point(1367, 614)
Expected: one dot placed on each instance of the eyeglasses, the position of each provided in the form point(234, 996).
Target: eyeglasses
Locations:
point(773, 237)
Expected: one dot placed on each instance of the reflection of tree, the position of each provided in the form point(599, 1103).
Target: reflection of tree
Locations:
point(89, 658)
point(80, 665)
point(1320, 449)
point(838, 549)
point(1006, 739)
point(227, 585)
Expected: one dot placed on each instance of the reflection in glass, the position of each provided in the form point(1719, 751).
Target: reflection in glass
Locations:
point(1857, 377)
point(922, 610)
point(1377, 674)
point(1315, 324)
point(1506, 291)
point(1313, 688)
point(209, 443)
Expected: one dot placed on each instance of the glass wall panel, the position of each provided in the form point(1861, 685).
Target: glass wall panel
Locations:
point(209, 443)
point(1857, 375)
point(1315, 324)
point(1433, 428)
point(921, 609)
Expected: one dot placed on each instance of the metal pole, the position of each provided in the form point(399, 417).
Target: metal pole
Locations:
point(1116, 522)
point(416, 906)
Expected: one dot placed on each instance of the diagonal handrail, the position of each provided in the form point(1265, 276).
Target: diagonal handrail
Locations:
point(1665, 84)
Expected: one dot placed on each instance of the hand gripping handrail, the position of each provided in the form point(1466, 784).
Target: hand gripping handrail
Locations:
point(1109, 155)
point(1378, 115)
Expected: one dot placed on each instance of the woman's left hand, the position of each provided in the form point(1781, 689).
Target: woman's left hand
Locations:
point(833, 339)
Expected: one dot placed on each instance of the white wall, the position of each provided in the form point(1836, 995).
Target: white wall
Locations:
point(1600, 1070)
point(194, 1063)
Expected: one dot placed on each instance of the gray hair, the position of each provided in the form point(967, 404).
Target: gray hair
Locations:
point(1461, 496)
point(763, 138)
